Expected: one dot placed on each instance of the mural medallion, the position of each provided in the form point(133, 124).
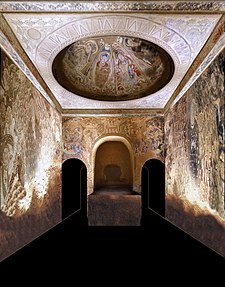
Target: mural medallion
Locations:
point(113, 68)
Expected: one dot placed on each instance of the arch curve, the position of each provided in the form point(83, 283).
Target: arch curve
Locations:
point(111, 168)
point(77, 159)
point(154, 158)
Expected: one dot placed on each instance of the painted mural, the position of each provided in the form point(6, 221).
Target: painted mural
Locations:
point(144, 133)
point(195, 148)
point(30, 160)
point(113, 68)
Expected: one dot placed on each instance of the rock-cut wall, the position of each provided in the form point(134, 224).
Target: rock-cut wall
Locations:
point(30, 160)
point(195, 148)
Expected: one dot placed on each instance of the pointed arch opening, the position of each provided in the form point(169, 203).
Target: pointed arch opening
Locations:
point(74, 190)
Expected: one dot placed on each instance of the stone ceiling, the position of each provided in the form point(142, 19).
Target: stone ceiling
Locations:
point(187, 34)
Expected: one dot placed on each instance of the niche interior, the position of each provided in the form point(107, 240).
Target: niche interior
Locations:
point(113, 168)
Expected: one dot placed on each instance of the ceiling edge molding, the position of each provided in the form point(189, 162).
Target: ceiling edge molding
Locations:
point(6, 46)
point(204, 65)
point(214, 45)
point(112, 112)
point(114, 6)
point(14, 52)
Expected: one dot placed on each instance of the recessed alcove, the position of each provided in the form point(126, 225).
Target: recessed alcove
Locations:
point(113, 169)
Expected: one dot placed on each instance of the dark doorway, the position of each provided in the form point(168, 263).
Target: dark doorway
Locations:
point(74, 190)
point(153, 188)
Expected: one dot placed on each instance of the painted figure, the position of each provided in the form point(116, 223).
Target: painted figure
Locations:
point(102, 70)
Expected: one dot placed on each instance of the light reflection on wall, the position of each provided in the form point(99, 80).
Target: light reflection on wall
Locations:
point(195, 142)
point(32, 132)
point(24, 203)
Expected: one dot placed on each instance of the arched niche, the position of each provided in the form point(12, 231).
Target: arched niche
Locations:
point(112, 163)
point(153, 187)
point(74, 189)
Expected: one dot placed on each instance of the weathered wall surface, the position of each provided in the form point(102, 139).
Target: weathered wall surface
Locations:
point(195, 147)
point(144, 135)
point(30, 158)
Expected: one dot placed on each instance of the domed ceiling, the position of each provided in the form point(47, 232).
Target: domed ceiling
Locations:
point(113, 68)
point(88, 60)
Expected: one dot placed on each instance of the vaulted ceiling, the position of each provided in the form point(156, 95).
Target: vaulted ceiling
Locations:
point(112, 55)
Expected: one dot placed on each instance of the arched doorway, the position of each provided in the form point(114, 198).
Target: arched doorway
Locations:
point(113, 168)
point(153, 188)
point(113, 202)
point(74, 190)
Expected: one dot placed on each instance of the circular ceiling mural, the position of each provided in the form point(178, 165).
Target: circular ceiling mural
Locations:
point(113, 68)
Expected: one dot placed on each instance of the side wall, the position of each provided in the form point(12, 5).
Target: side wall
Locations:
point(30, 158)
point(195, 146)
point(144, 134)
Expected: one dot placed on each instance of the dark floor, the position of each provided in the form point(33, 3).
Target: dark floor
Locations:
point(158, 245)
point(203, 226)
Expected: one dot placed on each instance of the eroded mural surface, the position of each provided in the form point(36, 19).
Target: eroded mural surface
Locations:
point(30, 160)
point(144, 133)
point(195, 147)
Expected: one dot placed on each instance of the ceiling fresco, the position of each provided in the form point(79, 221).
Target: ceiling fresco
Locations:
point(113, 68)
point(110, 61)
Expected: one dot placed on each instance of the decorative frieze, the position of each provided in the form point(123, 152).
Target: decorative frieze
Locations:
point(115, 6)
